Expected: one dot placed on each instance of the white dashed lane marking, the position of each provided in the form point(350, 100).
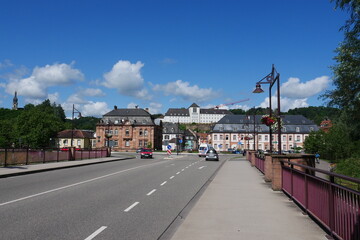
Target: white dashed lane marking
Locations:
point(151, 192)
point(131, 207)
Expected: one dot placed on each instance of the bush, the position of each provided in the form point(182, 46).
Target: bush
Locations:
point(349, 167)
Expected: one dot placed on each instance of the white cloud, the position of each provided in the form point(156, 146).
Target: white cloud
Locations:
point(286, 103)
point(126, 78)
point(132, 105)
point(293, 88)
point(185, 91)
point(155, 108)
point(96, 109)
point(35, 87)
point(76, 98)
point(54, 97)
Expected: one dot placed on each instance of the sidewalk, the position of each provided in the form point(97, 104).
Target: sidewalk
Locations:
point(41, 167)
point(238, 204)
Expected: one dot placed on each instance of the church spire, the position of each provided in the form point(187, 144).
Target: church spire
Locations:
point(15, 102)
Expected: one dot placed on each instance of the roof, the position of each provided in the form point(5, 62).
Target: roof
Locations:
point(76, 134)
point(128, 112)
point(177, 112)
point(215, 111)
point(194, 105)
point(244, 123)
point(171, 128)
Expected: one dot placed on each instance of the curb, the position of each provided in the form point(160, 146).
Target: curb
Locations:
point(6, 175)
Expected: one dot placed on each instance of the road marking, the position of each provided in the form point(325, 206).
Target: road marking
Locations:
point(172, 177)
point(163, 183)
point(133, 205)
point(97, 232)
point(151, 192)
point(75, 184)
point(177, 172)
point(183, 169)
point(202, 167)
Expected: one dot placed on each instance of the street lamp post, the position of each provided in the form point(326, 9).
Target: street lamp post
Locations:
point(74, 110)
point(271, 79)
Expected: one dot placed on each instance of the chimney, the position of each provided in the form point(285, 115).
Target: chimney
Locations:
point(136, 106)
point(147, 109)
point(115, 107)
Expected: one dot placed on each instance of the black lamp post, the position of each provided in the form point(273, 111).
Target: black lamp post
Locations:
point(270, 79)
point(74, 110)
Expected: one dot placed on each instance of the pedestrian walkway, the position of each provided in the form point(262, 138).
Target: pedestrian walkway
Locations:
point(32, 168)
point(238, 204)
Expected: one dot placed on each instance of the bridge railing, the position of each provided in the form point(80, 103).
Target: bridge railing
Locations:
point(260, 162)
point(334, 206)
point(25, 156)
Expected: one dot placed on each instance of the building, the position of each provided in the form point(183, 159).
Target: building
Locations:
point(80, 139)
point(195, 114)
point(247, 132)
point(173, 136)
point(128, 129)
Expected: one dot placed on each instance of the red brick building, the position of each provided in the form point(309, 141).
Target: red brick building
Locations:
point(128, 129)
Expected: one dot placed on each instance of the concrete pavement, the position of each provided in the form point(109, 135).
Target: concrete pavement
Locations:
point(238, 204)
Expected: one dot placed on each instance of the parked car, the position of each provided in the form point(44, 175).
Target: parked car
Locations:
point(211, 154)
point(146, 153)
point(139, 150)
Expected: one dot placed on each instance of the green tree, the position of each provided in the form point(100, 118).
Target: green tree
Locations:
point(37, 124)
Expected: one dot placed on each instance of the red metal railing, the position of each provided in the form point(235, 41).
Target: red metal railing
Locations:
point(28, 156)
point(260, 162)
point(334, 206)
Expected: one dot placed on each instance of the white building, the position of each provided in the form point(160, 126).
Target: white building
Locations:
point(245, 132)
point(195, 114)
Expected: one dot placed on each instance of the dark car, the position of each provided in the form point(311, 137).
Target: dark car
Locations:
point(139, 150)
point(146, 153)
point(211, 155)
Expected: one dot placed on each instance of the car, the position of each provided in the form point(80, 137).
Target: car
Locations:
point(211, 154)
point(139, 150)
point(146, 153)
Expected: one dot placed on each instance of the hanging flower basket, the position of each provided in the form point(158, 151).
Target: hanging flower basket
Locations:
point(267, 120)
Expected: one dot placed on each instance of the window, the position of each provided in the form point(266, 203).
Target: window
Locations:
point(116, 132)
point(266, 138)
point(234, 137)
point(140, 143)
point(215, 146)
point(283, 129)
point(284, 138)
point(311, 129)
point(127, 132)
point(226, 146)
point(297, 129)
point(166, 137)
point(194, 110)
point(226, 137)
point(127, 143)
point(145, 143)
point(215, 137)
point(284, 147)
point(221, 137)
point(259, 137)
point(140, 132)
point(116, 143)
point(145, 132)
point(79, 142)
point(298, 138)
point(290, 137)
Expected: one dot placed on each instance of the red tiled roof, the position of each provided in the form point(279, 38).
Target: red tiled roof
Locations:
point(75, 134)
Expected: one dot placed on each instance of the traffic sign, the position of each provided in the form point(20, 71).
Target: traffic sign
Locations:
point(180, 140)
point(169, 147)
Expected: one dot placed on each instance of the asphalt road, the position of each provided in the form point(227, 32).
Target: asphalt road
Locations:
point(129, 199)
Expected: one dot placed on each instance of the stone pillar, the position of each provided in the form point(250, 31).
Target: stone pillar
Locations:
point(276, 183)
point(251, 158)
point(268, 171)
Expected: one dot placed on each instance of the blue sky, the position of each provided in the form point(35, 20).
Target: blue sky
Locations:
point(165, 54)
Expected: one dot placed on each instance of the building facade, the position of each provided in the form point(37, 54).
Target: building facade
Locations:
point(173, 136)
point(247, 132)
point(194, 114)
point(76, 138)
point(128, 129)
